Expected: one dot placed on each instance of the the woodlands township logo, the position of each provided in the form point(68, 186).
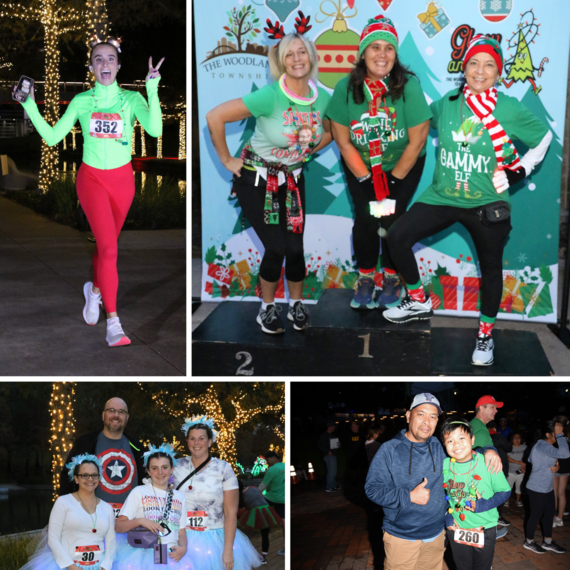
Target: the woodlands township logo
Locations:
point(237, 47)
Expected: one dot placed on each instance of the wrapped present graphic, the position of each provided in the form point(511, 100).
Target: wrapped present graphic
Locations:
point(218, 291)
point(512, 300)
point(433, 20)
point(449, 284)
point(471, 293)
point(538, 300)
point(435, 292)
point(242, 271)
point(221, 274)
point(209, 287)
point(333, 277)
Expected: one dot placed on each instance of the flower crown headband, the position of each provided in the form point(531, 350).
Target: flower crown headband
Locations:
point(116, 42)
point(197, 420)
point(276, 32)
point(166, 448)
point(78, 460)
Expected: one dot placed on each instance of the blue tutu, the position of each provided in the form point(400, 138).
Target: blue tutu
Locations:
point(205, 549)
point(129, 558)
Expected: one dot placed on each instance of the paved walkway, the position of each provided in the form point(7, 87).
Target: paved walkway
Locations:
point(341, 531)
point(43, 266)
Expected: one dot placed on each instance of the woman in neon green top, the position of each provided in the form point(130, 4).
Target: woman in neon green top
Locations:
point(105, 180)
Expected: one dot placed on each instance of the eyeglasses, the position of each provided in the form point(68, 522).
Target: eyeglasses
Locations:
point(120, 412)
point(86, 476)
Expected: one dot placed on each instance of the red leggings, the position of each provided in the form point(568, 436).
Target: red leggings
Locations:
point(106, 196)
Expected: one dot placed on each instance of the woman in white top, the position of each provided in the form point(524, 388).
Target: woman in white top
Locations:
point(157, 507)
point(81, 530)
point(212, 496)
point(517, 467)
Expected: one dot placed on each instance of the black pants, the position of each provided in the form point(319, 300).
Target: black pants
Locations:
point(365, 230)
point(264, 540)
point(423, 220)
point(277, 241)
point(541, 509)
point(471, 558)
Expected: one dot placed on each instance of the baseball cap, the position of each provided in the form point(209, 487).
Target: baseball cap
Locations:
point(488, 400)
point(426, 399)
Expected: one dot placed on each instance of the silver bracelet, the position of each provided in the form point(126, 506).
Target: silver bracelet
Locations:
point(363, 178)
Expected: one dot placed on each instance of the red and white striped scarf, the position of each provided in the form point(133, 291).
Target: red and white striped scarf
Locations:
point(483, 105)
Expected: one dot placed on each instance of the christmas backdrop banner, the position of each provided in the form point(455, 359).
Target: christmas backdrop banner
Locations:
point(231, 55)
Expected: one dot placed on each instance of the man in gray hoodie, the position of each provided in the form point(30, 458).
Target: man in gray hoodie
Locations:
point(406, 479)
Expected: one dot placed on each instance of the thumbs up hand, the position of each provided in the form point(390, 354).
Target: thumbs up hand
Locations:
point(420, 495)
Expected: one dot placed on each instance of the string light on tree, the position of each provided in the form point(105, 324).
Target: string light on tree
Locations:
point(133, 140)
point(159, 147)
point(182, 131)
point(62, 427)
point(97, 22)
point(55, 22)
point(143, 141)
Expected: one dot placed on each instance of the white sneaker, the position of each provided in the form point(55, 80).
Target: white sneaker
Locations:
point(92, 307)
point(483, 353)
point(115, 334)
point(506, 503)
point(409, 310)
point(558, 522)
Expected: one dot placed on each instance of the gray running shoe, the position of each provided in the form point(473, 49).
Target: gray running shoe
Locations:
point(534, 547)
point(270, 321)
point(92, 307)
point(299, 315)
point(115, 333)
point(409, 310)
point(483, 353)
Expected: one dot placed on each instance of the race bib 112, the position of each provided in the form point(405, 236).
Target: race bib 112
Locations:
point(197, 520)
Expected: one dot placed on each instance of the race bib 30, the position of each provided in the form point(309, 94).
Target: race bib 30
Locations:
point(87, 556)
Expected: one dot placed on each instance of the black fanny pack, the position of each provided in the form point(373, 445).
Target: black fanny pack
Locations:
point(494, 213)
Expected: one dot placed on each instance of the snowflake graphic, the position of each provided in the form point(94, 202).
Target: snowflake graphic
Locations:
point(496, 5)
point(522, 258)
point(509, 4)
point(483, 5)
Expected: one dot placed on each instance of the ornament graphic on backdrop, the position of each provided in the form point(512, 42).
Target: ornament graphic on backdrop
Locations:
point(282, 9)
point(495, 10)
point(240, 29)
point(519, 67)
point(337, 47)
point(433, 20)
point(385, 4)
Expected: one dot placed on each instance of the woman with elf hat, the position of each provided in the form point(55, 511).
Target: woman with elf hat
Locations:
point(81, 529)
point(268, 176)
point(380, 122)
point(211, 491)
point(476, 164)
point(105, 180)
point(154, 509)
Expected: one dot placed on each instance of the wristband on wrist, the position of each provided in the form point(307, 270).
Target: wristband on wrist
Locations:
point(364, 178)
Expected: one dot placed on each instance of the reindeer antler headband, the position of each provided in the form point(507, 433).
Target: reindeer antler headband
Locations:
point(276, 32)
point(95, 40)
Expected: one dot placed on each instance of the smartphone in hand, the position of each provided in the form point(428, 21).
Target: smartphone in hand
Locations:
point(25, 85)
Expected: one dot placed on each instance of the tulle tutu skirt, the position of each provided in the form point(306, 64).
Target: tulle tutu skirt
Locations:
point(205, 549)
point(264, 516)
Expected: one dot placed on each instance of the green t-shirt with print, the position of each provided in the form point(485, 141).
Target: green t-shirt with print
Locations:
point(274, 480)
point(463, 176)
point(481, 433)
point(463, 486)
point(274, 138)
point(406, 112)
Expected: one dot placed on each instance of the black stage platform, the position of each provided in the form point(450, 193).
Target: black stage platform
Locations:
point(341, 341)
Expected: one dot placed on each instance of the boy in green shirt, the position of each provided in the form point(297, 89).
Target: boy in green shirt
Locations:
point(473, 495)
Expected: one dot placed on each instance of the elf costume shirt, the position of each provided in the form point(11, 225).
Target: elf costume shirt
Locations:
point(275, 139)
point(406, 112)
point(463, 480)
point(466, 159)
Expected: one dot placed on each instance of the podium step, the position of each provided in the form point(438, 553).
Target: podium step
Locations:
point(516, 353)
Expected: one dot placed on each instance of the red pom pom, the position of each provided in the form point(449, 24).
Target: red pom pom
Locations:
point(462, 517)
point(94, 530)
point(445, 485)
point(190, 488)
point(477, 477)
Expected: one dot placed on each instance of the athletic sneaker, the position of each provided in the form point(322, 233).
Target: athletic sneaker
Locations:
point(534, 547)
point(483, 353)
point(553, 547)
point(557, 522)
point(270, 320)
point(331, 490)
point(92, 307)
point(506, 503)
point(115, 334)
point(501, 532)
point(409, 310)
point(566, 513)
point(503, 522)
point(299, 315)
point(519, 504)
point(264, 560)
point(392, 291)
point(364, 294)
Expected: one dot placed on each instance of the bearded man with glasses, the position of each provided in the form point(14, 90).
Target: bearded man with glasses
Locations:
point(120, 456)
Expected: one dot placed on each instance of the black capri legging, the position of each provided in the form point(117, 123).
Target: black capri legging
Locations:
point(277, 241)
point(365, 239)
point(542, 508)
point(423, 220)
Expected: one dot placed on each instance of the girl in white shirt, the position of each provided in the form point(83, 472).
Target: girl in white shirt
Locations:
point(157, 507)
point(81, 530)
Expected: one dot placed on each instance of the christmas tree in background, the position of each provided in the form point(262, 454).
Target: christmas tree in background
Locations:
point(522, 68)
point(317, 178)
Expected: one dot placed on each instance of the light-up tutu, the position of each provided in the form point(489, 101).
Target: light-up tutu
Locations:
point(205, 550)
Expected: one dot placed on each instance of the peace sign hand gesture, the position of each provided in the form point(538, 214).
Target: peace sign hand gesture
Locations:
point(153, 71)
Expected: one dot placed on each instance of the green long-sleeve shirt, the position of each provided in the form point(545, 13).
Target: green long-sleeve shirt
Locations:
point(107, 114)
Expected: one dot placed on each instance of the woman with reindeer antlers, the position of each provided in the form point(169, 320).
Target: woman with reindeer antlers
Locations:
point(268, 176)
point(105, 180)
